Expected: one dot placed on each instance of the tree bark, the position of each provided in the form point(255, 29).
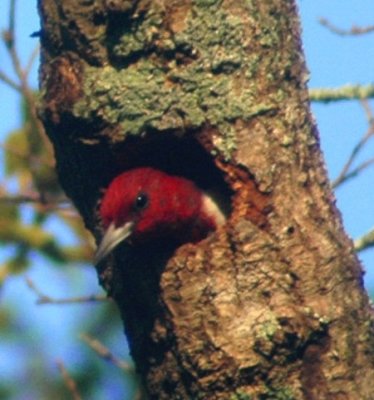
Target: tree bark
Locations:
point(272, 305)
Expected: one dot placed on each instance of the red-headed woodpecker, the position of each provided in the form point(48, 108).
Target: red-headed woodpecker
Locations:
point(145, 204)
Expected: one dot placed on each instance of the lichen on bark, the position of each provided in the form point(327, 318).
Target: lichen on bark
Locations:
point(164, 93)
point(260, 308)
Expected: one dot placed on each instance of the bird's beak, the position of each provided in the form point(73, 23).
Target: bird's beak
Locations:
point(112, 237)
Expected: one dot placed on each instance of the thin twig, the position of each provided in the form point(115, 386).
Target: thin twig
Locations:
point(35, 198)
point(5, 78)
point(345, 172)
point(365, 241)
point(11, 45)
point(105, 353)
point(47, 201)
point(356, 149)
point(22, 198)
point(22, 75)
point(346, 92)
point(353, 31)
point(108, 356)
point(45, 299)
point(70, 384)
point(368, 111)
point(31, 61)
point(353, 173)
point(9, 35)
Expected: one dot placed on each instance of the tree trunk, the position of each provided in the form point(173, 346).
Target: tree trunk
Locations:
point(272, 305)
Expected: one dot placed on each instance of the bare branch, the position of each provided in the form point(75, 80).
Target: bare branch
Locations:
point(345, 173)
point(5, 78)
point(31, 60)
point(368, 111)
point(355, 30)
point(22, 74)
point(33, 198)
point(9, 38)
point(353, 173)
point(45, 299)
point(106, 354)
point(365, 241)
point(347, 92)
point(69, 381)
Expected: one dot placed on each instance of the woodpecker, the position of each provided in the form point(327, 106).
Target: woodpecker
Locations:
point(147, 205)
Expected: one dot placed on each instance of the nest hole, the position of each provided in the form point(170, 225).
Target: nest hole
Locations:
point(184, 157)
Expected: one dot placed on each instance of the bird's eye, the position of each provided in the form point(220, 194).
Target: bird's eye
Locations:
point(141, 201)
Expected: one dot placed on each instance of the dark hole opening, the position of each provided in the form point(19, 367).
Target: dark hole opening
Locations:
point(184, 157)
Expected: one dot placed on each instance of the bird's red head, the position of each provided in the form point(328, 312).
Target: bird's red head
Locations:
point(145, 204)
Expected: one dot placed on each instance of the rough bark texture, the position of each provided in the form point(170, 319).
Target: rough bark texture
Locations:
point(272, 305)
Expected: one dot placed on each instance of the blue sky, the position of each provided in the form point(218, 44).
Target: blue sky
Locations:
point(332, 60)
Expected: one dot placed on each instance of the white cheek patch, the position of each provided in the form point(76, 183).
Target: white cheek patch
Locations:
point(211, 209)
